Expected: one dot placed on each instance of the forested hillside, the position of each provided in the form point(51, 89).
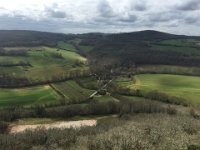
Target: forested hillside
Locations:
point(128, 49)
point(136, 90)
point(30, 38)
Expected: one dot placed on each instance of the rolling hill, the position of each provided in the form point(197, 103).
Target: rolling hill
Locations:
point(143, 47)
point(141, 89)
point(30, 38)
point(31, 58)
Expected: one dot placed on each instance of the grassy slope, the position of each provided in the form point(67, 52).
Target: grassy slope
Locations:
point(66, 46)
point(27, 96)
point(181, 42)
point(187, 87)
point(165, 69)
point(184, 50)
point(86, 48)
point(89, 83)
point(185, 46)
point(44, 65)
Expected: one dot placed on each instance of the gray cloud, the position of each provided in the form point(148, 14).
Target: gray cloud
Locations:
point(2, 8)
point(189, 5)
point(131, 18)
point(192, 20)
point(140, 5)
point(54, 12)
point(159, 18)
point(105, 10)
point(57, 14)
point(173, 18)
point(176, 16)
point(165, 16)
point(111, 17)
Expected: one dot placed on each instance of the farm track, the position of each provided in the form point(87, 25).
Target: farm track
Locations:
point(39, 83)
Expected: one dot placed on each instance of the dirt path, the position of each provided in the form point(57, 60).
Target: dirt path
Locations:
point(63, 125)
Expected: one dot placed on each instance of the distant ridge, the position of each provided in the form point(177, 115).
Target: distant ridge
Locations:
point(149, 35)
point(28, 38)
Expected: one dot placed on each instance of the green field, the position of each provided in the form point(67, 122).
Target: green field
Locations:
point(105, 98)
point(69, 46)
point(172, 48)
point(181, 42)
point(86, 48)
point(66, 46)
point(167, 69)
point(37, 95)
point(185, 46)
point(72, 91)
point(46, 64)
point(89, 83)
point(187, 87)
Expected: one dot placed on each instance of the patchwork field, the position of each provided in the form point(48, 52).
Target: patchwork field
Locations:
point(172, 48)
point(181, 42)
point(28, 96)
point(40, 64)
point(89, 83)
point(187, 87)
point(185, 46)
point(72, 91)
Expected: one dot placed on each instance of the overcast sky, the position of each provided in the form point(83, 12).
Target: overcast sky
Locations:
point(81, 16)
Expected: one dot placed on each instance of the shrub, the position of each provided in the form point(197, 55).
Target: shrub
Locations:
point(141, 107)
point(194, 147)
point(98, 108)
point(194, 114)
point(190, 128)
point(171, 111)
point(3, 127)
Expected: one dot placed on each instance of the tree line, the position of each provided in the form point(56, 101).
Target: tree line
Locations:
point(19, 52)
point(11, 81)
point(152, 95)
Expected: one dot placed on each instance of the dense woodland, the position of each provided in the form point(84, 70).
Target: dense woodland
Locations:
point(30, 38)
point(147, 114)
point(135, 49)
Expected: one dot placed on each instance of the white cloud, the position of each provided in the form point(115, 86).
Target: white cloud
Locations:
point(176, 16)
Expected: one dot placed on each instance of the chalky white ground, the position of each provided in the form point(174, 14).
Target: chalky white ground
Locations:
point(61, 125)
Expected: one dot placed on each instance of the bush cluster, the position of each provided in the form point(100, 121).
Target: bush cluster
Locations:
point(143, 131)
